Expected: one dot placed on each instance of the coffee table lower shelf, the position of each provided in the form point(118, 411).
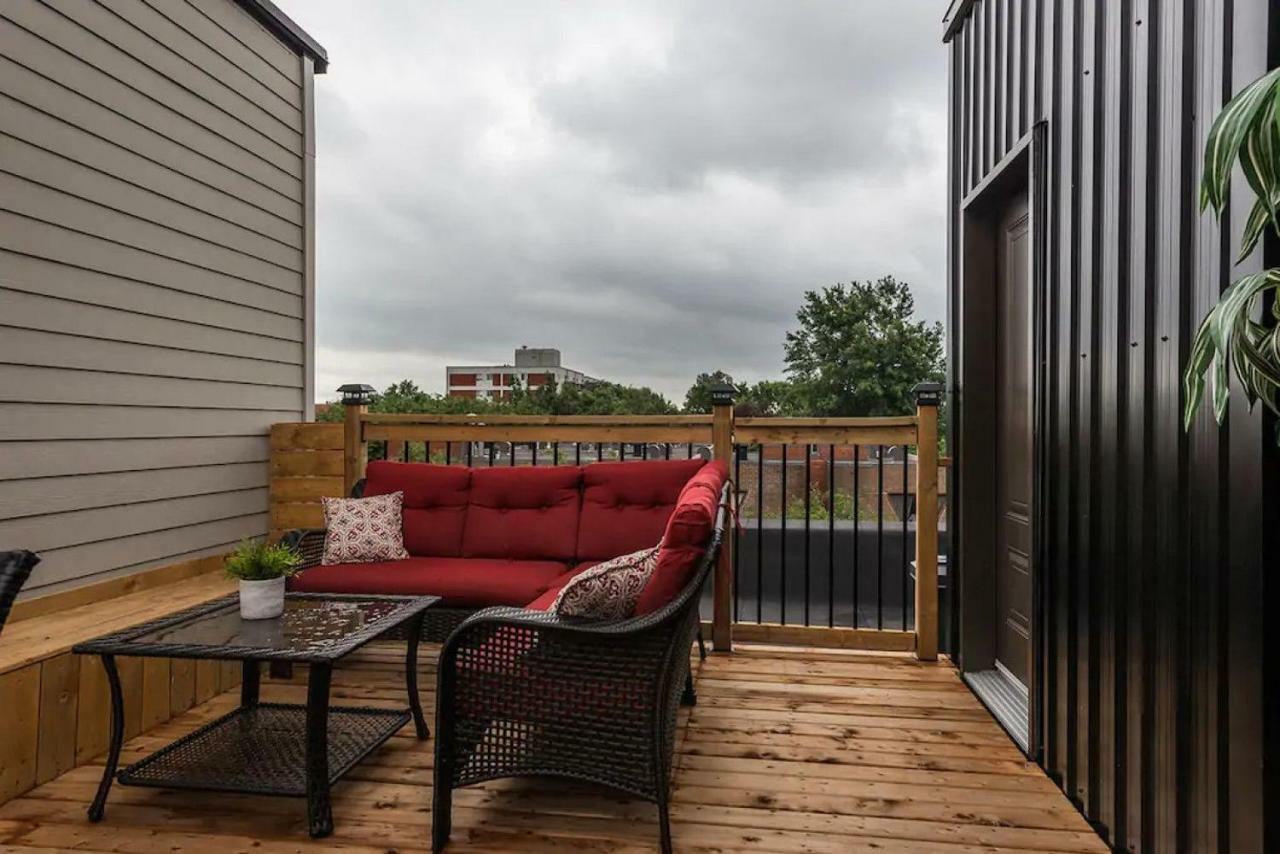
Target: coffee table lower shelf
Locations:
point(262, 750)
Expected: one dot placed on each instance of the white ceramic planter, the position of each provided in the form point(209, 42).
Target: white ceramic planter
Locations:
point(261, 600)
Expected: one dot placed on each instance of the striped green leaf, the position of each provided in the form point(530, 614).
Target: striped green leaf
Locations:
point(1228, 134)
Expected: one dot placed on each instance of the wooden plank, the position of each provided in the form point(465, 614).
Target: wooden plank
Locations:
point(385, 418)
point(606, 433)
point(93, 713)
point(926, 610)
point(722, 588)
point(287, 516)
point(208, 674)
point(821, 636)
point(304, 489)
point(814, 435)
point(156, 698)
point(130, 670)
point(19, 737)
point(33, 640)
point(59, 703)
point(182, 685)
point(114, 588)
point(355, 446)
point(306, 464)
point(305, 436)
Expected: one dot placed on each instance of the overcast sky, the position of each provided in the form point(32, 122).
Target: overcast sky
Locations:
point(648, 186)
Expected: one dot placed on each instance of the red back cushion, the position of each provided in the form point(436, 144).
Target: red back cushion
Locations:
point(626, 506)
point(525, 513)
point(686, 538)
point(435, 503)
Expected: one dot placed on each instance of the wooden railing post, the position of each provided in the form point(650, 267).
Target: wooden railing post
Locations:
point(928, 396)
point(355, 453)
point(722, 441)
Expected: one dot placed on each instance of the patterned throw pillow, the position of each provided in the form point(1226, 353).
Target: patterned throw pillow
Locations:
point(608, 591)
point(360, 530)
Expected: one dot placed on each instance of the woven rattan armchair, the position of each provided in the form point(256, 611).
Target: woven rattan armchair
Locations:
point(529, 693)
point(15, 569)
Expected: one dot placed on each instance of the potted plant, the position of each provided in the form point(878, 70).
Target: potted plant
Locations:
point(1231, 337)
point(262, 568)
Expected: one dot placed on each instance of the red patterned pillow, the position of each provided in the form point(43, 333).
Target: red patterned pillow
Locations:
point(360, 530)
point(608, 591)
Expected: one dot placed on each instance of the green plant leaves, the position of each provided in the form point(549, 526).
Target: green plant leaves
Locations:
point(1244, 114)
point(259, 560)
point(1229, 339)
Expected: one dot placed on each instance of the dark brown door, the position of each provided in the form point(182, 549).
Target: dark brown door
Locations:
point(1014, 448)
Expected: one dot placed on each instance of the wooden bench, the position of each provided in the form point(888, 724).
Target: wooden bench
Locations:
point(57, 709)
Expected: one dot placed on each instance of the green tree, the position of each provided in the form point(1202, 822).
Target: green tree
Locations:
point(697, 400)
point(765, 398)
point(859, 351)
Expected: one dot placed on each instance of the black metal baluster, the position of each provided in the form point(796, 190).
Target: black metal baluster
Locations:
point(759, 533)
point(622, 452)
point(904, 538)
point(737, 555)
point(782, 541)
point(470, 448)
point(690, 451)
point(448, 453)
point(577, 453)
point(644, 451)
point(808, 449)
point(512, 447)
point(493, 447)
point(404, 451)
point(880, 536)
point(555, 453)
point(666, 450)
point(533, 448)
point(831, 537)
point(857, 528)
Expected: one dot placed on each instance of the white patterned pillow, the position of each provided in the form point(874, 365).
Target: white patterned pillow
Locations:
point(608, 591)
point(360, 530)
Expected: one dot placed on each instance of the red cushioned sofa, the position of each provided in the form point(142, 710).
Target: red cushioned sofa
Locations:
point(515, 535)
point(522, 691)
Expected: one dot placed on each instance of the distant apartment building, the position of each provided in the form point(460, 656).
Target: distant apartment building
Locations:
point(532, 368)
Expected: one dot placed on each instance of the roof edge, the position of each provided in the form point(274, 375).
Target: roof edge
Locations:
point(286, 30)
point(956, 14)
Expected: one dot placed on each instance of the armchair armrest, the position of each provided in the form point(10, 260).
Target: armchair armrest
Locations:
point(307, 542)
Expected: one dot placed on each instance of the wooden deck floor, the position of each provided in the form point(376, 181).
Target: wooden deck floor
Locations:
point(787, 750)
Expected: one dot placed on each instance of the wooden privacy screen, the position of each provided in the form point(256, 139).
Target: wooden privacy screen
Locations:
point(306, 465)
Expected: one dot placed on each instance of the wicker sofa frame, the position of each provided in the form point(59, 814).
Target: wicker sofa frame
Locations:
point(529, 693)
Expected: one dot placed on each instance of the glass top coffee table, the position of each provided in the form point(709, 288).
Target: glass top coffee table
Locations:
point(267, 748)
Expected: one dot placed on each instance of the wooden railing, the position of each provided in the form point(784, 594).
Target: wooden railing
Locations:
point(313, 460)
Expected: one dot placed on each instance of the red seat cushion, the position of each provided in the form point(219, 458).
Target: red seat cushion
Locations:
point(686, 538)
point(435, 503)
point(546, 600)
point(526, 513)
point(625, 506)
point(460, 582)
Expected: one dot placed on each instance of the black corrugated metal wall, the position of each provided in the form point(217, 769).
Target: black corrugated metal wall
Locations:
point(1154, 663)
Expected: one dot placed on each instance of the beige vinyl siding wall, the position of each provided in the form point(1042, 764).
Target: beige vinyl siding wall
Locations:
point(154, 278)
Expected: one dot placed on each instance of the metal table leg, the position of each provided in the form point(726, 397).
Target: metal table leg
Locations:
point(319, 813)
point(411, 677)
point(250, 679)
point(98, 807)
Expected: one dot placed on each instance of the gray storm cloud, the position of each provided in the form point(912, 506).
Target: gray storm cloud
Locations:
point(648, 186)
